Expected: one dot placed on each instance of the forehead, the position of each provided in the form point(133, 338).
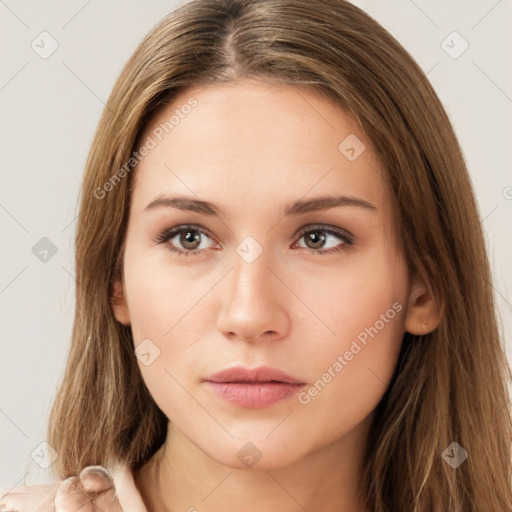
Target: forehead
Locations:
point(242, 141)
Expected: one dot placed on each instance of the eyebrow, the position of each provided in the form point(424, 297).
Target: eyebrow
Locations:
point(297, 208)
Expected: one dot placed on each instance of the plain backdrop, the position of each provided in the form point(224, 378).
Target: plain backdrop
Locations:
point(50, 108)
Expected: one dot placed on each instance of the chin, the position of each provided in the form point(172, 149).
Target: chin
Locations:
point(256, 454)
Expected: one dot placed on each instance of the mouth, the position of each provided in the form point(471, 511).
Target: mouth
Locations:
point(262, 374)
point(253, 388)
point(254, 395)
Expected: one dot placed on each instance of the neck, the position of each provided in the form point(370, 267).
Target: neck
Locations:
point(181, 477)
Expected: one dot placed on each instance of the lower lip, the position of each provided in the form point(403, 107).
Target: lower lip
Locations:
point(254, 395)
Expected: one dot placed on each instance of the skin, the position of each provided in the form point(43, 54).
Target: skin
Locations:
point(92, 490)
point(251, 149)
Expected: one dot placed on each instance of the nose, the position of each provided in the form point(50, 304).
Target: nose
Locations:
point(254, 300)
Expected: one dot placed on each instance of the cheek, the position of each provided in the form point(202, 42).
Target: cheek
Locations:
point(161, 306)
point(364, 305)
point(353, 296)
point(161, 294)
point(167, 310)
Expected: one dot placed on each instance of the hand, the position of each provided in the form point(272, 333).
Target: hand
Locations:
point(92, 490)
point(29, 498)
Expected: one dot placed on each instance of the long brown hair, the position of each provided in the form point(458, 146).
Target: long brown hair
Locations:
point(449, 386)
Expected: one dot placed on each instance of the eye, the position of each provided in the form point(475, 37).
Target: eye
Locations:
point(316, 236)
point(189, 238)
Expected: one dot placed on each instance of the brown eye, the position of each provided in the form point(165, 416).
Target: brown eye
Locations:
point(185, 240)
point(190, 239)
point(317, 237)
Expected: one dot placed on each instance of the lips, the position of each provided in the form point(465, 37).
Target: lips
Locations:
point(241, 374)
point(253, 388)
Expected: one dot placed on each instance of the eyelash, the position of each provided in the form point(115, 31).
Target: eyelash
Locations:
point(347, 238)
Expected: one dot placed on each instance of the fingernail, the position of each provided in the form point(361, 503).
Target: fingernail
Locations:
point(96, 478)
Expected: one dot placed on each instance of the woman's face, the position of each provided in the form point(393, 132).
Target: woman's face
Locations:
point(270, 275)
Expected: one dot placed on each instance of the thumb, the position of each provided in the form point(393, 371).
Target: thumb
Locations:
point(92, 491)
point(98, 482)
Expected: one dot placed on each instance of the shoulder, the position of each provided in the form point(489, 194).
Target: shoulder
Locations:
point(32, 498)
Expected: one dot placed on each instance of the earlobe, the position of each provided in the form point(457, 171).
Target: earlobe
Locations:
point(118, 301)
point(423, 313)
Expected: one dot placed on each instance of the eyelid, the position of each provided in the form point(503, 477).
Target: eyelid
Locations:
point(168, 233)
point(339, 232)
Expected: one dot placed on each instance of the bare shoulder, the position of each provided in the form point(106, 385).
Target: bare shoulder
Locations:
point(32, 498)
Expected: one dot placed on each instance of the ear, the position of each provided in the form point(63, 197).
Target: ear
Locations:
point(118, 301)
point(423, 314)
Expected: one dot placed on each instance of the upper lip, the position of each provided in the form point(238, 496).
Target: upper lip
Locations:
point(260, 374)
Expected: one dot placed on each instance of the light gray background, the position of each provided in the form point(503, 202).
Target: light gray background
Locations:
point(50, 109)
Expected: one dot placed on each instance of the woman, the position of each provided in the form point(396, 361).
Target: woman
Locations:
point(283, 296)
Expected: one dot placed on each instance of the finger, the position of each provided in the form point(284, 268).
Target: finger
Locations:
point(31, 497)
point(99, 484)
point(96, 478)
point(71, 497)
